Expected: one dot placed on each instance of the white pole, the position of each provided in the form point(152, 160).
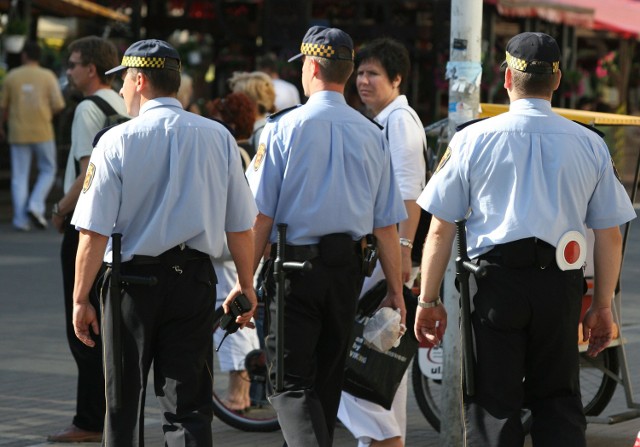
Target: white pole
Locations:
point(464, 72)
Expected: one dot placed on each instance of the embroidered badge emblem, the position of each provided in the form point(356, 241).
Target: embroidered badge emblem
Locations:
point(257, 162)
point(444, 159)
point(91, 170)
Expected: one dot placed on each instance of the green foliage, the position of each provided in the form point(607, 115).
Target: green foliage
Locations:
point(16, 26)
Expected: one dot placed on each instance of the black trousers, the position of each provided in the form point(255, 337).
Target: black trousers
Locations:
point(171, 325)
point(319, 313)
point(90, 400)
point(525, 326)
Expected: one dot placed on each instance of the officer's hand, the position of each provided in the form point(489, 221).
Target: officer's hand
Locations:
point(395, 301)
point(85, 318)
point(243, 320)
point(430, 325)
point(597, 327)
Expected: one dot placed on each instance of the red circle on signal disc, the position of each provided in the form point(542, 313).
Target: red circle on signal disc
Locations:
point(572, 252)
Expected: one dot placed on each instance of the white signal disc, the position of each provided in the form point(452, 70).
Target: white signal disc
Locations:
point(571, 251)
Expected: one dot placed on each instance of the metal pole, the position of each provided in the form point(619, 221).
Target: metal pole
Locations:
point(464, 72)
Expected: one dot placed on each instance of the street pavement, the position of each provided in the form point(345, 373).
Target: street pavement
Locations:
point(38, 375)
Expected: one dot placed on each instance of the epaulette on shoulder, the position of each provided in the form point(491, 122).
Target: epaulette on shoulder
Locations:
point(459, 127)
point(100, 133)
point(374, 122)
point(591, 128)
point(279, 113)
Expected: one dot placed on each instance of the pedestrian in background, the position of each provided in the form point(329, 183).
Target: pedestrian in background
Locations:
point(238, 112)
point(172, 184)
point(529, 181)
point(259, 87)
point(382, 71)
point(89, 58)
point(325, 171)
point(31, 97)
point(287, 94)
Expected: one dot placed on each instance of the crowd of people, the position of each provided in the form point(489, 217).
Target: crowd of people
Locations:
point(351, 186)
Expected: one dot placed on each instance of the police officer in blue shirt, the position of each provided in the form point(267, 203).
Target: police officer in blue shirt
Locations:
point(529, 181)
point(324, 170)
point(171, 183)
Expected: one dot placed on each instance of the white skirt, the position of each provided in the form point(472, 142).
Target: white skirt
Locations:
point(367, 421)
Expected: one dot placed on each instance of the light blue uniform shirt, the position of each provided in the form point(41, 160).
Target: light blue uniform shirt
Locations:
point(527, 173)
point(327, 169)
point(164, 178)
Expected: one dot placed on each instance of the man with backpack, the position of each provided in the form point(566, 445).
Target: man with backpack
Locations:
point(89, 58)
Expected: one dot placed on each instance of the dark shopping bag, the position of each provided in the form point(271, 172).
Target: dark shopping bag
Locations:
point(369, 373)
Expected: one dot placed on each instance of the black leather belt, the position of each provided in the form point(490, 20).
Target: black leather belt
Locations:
point(177, 252)
point(523, 253)
point(298, 252)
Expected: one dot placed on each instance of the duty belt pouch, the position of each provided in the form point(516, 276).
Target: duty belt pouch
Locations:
point(369, 254)
point(336, 249)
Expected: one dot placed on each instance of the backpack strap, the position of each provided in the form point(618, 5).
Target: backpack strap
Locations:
point(103, 105)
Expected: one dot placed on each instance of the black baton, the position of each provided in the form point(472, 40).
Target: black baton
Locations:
point(115, 298)
point(280, 267)
point(464, 267)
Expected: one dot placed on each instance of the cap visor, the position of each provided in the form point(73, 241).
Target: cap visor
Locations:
point(503, 65)
point(297, 56)
point(115, 70)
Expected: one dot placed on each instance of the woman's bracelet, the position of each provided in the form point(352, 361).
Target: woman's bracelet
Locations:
point(404, 242)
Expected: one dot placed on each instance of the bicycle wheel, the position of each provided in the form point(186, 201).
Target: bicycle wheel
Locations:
point(596, 386)
point(427, 392)
point(260, 416)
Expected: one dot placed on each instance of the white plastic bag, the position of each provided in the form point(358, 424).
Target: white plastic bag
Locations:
point(383, 330)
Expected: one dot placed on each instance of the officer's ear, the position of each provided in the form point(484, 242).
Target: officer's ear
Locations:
point(315, 67)
point(508, 78)
point(557, 80)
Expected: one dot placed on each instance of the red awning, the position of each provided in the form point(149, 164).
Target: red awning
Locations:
point(620, 16)
point(555, 11)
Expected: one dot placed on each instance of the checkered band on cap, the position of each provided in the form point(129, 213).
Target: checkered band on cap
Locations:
point(143, 62)
point(319, 50)
point(521, 65)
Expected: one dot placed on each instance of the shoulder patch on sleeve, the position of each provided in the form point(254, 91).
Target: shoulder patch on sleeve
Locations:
point(282, 112)
point(459, 127)
point(443, 161)
point(591, 128)
point(260, 154)
point(615, 171)
point(88, 178)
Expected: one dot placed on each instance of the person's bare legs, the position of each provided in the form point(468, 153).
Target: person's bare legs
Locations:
point(238, 391)
point(391, 442)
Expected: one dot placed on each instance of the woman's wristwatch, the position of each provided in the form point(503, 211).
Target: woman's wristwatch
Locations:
point(428, 305)
point(56, 210)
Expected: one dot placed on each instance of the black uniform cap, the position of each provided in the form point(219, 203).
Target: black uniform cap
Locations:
point(330, 43)
point(533, 53)
point(150, 53)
